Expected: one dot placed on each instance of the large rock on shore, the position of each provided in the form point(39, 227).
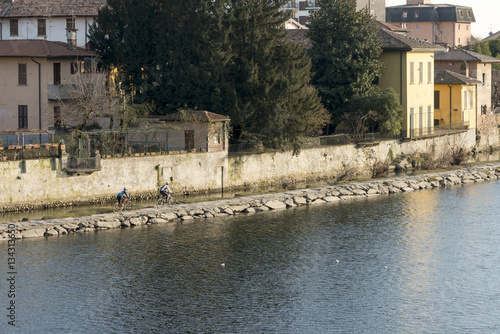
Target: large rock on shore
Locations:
point(275, 205)
point(33, 233)
point(108, 224)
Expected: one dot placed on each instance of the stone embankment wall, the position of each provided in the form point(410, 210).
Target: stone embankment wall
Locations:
point(248, 205)
point(330, 162)
point(39, 183)
point(42, 183)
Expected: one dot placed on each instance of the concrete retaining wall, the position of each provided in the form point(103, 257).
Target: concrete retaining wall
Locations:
point(42, 181)
point(247, 205)
point(332, 161)
point(39, 182)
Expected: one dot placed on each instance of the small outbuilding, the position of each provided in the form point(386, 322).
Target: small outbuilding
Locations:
point(199, 130)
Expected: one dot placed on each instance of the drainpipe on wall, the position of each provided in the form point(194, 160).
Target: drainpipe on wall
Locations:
point(401, 77)
point(39, 94)
point(450, 106)
point(401, 83)
point(86, 32)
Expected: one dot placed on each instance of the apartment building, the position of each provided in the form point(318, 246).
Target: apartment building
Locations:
point(439, 24)
point(301, 10)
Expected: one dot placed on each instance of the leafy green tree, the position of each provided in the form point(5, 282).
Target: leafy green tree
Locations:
point(379, 111)
point(345, 53)
point(495, 52)
point(481, 47)
point(494, 47)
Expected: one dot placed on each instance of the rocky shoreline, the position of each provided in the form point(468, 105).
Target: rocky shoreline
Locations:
point(247, 205)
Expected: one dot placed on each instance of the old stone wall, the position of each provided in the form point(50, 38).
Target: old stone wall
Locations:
point(10, 232)
point(38, 182)
point(332, 161)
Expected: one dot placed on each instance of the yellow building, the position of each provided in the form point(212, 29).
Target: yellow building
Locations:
point(409, 70)
point(455, 100)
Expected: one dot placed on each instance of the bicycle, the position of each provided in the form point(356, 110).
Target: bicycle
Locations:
point(126, 205)
point(169, 200)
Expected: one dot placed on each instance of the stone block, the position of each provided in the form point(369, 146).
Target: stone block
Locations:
point(33, 233)
point(51, 233)
point(299, 200)
point(275, 205)
point(249, 210)
point(70, 227)
point(107, 224)
point(168, 216)
point(159, 220)
point(332, 199)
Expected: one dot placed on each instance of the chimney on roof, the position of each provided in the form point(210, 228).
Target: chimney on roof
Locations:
point(71, 35)
point(418, 2)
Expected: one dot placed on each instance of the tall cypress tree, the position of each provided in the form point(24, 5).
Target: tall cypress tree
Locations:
point(345, 53)
point(270, 97)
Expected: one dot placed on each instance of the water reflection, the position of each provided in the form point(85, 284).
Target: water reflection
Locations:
point(409, 263)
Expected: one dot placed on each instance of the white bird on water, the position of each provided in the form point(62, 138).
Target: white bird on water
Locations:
point(338, 261)
point(222, 264)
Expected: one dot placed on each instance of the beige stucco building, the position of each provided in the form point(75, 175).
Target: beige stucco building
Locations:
point(198, 130)
point(474, 65)
point(32, 73)
point(47, 19)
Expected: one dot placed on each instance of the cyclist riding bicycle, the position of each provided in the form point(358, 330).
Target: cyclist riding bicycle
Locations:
point(122, 196)
point(165, 191)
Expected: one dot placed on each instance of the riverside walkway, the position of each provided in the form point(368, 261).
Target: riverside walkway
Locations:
point(248, 205)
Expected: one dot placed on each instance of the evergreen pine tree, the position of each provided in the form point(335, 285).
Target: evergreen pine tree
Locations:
point(168, 52)
point(345, 53)
point(270, 97)
point(227, 56)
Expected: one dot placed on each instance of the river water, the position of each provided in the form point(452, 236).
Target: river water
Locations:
point(422, 262)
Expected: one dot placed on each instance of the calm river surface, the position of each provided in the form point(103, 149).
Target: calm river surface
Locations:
point(424, 262)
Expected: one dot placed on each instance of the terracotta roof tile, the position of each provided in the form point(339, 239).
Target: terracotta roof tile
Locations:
point(453, 78)
point(392, 41)
point(39, 48)
point(464, 55)
point(195, 116)
point(391, 27)
point(46, 8)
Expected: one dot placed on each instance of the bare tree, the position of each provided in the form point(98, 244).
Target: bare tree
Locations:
point(86, 97)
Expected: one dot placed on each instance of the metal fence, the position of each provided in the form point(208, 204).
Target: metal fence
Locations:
point(22, 138)
point(121, 143)
point(439, 130)
point(312, 142)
